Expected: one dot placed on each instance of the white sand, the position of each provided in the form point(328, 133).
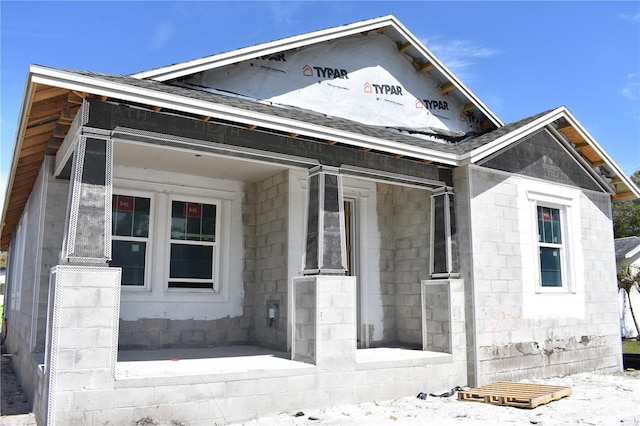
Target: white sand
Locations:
point(596, 399)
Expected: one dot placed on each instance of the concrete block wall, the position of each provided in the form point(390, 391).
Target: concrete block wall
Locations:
point(156, 333)
point(517, 337)
point(404, 223)
point(438, 325)
point(45, 211)
point(80, 367)
point(412, 212)
point(387, 269)
point(271, 274)
point(462, 200)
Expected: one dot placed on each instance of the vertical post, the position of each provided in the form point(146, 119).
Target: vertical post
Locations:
point(444, 253)
point(325, 252)
point(88, 228)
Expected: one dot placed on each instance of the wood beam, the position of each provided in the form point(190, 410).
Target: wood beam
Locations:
point(76, 97)
point(205, 118)
point(616, 180)
point(364, 149)
point(581, 145)
point(251, 126)
point(486, 124)
point(68, 113)
point(293, 135)
point(426, 161)
point(447, 87)
point(468, 107)
point(623, 195)
point(402, 47)
point(331, 142)
point(598, 163)
point(382, 29)
point(423, 66)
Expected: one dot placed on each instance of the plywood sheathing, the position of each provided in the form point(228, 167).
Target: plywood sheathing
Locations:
point(50, 113)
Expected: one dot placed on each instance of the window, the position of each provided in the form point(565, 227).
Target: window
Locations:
point(550, 246)
point(130, 237)
point(192, 245)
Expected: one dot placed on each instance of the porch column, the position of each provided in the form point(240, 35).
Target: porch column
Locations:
point(84, 293)
point(444, 250)
point(88, 228)
point(324, 312)
point(325, 252)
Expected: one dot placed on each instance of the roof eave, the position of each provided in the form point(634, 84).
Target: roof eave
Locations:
point(130, 93)
point(17, 144)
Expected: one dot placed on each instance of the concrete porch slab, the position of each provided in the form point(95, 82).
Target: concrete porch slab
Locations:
point(200, 365)
point(375, 358)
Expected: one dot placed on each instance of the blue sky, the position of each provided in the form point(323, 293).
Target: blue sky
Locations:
point(519, 58)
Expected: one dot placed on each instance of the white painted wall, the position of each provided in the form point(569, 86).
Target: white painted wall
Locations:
point(158, 301)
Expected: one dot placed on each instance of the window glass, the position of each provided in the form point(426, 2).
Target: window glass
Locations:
point(193, 221)
point(550, 246)
point(191, 261)
point(130, 232)
point(550, 267)
point(130, 216)
point(193, 236)
point(130, 256)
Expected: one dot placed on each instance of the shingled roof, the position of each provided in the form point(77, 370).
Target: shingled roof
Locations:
point(627, 247)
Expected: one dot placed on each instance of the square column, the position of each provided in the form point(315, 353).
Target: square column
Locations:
point(88, 228)
point(444, 248)
point(324, 321)
point(325, 252)
point(82, 342)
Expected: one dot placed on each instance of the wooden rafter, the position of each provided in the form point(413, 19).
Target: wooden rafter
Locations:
point(581, 145)
point(468, 107)
point(402, 47)
point(447, 87)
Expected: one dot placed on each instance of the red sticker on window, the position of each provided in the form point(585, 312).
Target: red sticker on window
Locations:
point(546, 215)
point(193, 210)
point(124, 204)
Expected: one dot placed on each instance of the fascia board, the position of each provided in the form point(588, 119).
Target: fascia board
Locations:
point(427, 54)
point(484, 151)
point(15, 155)
point(632, 253)
point(601, 152)
point(109, 89)
point(239, 55)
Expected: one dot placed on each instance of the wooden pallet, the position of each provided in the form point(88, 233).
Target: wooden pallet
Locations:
point(522, 395)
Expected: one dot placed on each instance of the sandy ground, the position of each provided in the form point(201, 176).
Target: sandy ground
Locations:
point(596, 399)
point(14, 408)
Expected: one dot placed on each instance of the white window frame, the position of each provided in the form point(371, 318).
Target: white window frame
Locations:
point(215, 288)
point(564, 205)
point(148, 258)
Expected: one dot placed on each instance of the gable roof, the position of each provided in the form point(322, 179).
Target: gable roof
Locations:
point(408, 44)
point(52, 97)
point(627, 247)
point(563, 125)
